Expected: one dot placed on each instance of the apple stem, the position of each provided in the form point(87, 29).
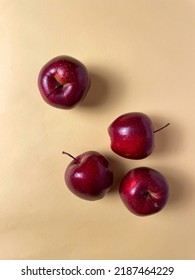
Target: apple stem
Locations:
point(65, 153)
point(161, 128)
point(56, 87)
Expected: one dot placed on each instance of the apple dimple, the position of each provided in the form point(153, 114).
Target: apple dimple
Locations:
point(60, 79)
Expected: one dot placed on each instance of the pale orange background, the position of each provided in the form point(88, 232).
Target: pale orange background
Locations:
point(141, 56)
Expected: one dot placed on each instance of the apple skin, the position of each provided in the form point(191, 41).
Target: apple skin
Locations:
point(63, 82)
point(132, 135)
point(89, 176)
point(144, 191)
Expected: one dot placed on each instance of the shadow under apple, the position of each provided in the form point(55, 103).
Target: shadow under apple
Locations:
point(105, 87)
point(181, 188)
point(119, 170)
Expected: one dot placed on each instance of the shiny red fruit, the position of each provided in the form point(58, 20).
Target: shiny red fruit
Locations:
point(144, 191)
point(63, 82)
point(89, 175)
point(132, 135)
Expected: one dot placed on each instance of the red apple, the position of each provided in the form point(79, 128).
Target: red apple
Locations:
point(132, 135)
point(89, 175)
point(144, 191)
point(63, 82)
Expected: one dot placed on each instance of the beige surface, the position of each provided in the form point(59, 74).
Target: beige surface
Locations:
point(141, 56)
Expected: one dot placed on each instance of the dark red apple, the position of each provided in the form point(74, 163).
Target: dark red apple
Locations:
point(63, 82)
point(89, 175)
point(144, 191)
point(132, 135)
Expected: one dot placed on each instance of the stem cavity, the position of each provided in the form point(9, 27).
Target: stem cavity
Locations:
point(150, 196)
